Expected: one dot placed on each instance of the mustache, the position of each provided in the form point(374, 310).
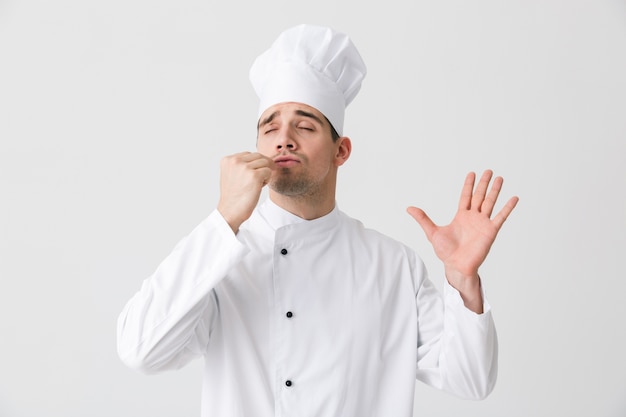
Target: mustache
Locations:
point(289, 154)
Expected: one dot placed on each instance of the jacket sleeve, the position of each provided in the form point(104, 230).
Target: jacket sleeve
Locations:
point(168, 321)
point(457, 348)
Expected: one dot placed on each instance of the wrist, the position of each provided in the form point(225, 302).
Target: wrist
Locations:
point(232, 221)
point(469, 287)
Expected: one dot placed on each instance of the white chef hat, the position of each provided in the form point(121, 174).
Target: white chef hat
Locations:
point(312, 65)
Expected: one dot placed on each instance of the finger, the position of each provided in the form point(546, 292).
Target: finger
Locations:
point(266, 175)
point(261, 162)
point(466, 193)
point(269, 161)
point(492, 197)
point(423, 220)
point(501, 217)
point(262, 166)
point(240, 156)
point(233, 159)
point(252, 156)
point(481, 190)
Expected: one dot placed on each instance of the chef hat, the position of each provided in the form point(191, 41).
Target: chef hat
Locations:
point(312, 65)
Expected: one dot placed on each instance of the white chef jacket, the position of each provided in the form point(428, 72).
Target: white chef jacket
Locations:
point(319, 318)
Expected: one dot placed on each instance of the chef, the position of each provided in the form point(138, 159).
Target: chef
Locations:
point(296, 308)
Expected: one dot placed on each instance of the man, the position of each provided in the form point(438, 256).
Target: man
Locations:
point(297, 308)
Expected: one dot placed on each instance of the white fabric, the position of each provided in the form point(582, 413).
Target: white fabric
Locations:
point(366, 320)
point(309, 64)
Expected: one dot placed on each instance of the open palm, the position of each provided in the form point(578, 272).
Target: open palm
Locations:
point(464, 244)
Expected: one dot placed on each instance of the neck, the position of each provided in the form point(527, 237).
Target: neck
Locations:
point(308, 207)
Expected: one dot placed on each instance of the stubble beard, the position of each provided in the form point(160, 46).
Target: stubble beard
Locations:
point(290, 184)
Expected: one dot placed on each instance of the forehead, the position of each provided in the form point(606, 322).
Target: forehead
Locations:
point(291, 108)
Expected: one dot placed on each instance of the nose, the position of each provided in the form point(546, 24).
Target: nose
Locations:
point(285, 140)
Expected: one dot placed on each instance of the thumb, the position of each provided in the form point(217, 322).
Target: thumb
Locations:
point(424, 221)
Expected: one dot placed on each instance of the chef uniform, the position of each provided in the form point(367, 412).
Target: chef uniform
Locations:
point(297, 317)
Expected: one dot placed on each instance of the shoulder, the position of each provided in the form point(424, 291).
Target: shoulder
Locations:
point(381, 252)
point(373, 238)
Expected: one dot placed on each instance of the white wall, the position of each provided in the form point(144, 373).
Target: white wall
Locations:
point(114, 115)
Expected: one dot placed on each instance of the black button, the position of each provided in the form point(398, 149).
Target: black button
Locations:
point(288, 383)
point(284, 251)
point(289, 314)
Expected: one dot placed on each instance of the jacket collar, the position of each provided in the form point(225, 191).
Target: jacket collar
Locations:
point(279, 218)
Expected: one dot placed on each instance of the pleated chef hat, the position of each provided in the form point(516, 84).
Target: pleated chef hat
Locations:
point(312, 65)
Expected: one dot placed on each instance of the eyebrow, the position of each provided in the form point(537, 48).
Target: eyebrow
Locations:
point(268, 119)
point(309, 115)
point(302, 113)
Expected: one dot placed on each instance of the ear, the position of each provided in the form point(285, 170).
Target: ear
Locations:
point(344, 149)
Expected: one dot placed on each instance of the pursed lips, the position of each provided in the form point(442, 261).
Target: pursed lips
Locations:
point(286, 161)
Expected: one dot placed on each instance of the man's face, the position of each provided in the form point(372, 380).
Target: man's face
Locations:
point(297, 137)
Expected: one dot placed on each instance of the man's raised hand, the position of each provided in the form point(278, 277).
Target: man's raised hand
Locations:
point(464, 244)
point(242, 176)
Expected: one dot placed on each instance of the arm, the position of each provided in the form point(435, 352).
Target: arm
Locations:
point(458, 345)
point(457, 348)
point(169, 321)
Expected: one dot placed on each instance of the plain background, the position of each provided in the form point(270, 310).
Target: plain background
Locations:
point(114, 116)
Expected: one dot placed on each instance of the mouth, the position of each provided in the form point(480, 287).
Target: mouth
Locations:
point(286, 161)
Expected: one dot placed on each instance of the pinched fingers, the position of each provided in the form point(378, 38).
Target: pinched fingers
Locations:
point(242, 177)
point(257, 165)
point(260, 161)
point(231, 162)
point(262, 167)
point(254, 159)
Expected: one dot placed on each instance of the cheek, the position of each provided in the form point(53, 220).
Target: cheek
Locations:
point(324, 162)
point(263, 148)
